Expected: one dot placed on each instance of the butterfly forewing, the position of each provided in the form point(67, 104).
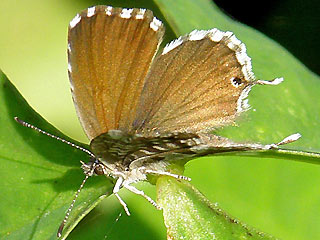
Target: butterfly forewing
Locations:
point(196, 84)
point(110, 51)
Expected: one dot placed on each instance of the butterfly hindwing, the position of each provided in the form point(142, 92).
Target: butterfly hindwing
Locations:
point(198, 83)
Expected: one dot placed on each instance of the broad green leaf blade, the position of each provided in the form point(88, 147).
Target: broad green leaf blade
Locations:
point(198, 218)
point(40, 175)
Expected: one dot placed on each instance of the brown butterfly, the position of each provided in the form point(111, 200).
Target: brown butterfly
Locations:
point(143, 109)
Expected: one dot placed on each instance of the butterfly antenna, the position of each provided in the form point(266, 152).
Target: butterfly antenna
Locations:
point(64, 221)
point(23, 123)
point(90, 173)
point(113, 225)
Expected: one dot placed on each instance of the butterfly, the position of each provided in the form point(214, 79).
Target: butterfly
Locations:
point(143, 109)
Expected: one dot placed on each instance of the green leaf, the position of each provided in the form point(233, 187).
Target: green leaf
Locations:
point(189, 215)
point(40, 175)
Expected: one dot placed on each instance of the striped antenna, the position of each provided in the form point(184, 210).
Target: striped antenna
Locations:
point(64, 221)
point(25, 124)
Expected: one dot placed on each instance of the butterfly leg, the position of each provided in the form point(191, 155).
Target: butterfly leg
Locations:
point(168, 174)
point(141, 193)
point(115, 192)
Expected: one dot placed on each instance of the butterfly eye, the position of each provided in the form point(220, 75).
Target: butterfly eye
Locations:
point(236, 81)
point(99, 171)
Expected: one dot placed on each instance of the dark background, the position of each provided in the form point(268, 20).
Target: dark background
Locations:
point(295, 24)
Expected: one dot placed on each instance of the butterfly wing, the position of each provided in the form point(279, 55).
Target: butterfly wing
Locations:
point(198, 83)
point(110, 51)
